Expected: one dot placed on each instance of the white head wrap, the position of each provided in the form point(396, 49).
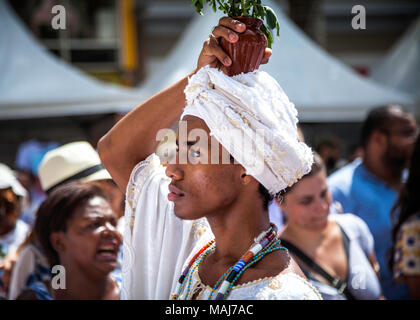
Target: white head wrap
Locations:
point(253, 119)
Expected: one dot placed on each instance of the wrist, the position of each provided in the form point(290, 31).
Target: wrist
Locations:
point(194, 72)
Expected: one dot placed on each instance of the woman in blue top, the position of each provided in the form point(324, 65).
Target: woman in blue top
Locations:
point(334, 251)
point(76, 228)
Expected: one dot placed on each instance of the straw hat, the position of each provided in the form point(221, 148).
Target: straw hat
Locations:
point(73, 161)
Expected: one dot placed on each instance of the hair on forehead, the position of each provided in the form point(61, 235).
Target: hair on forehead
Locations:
point(317, 166)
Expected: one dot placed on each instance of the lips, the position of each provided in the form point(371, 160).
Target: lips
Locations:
point(174, 193)
point(108, 252)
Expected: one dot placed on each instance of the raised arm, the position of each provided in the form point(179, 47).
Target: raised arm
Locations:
point(133, 138)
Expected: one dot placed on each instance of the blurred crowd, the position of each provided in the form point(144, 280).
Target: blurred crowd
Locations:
point(60, 207)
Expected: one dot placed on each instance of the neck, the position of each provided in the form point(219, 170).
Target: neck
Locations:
point(82, 286)
point(235, 229)
point(391, 176)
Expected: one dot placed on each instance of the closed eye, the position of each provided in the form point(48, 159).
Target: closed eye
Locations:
point(306, 201)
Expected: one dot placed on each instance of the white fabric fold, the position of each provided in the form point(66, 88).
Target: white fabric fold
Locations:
point(253, 119)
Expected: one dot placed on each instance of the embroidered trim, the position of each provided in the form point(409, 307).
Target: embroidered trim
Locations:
point(138, 177)
point(276, 278)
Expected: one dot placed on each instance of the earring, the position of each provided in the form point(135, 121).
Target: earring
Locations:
point(279, 198)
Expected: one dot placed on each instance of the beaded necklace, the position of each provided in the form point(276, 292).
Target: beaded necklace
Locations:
point(263, 244)
point(181, 279)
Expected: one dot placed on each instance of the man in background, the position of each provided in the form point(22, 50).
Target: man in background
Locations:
point(368, 187)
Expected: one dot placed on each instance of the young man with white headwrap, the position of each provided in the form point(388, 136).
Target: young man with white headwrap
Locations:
point(173, 211)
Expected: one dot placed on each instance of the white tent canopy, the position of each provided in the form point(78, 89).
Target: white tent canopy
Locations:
point(322, 88)
point(400, 69)
point(34, 83)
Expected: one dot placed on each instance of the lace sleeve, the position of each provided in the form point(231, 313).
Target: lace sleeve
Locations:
point(135, 186)
point(156, 242)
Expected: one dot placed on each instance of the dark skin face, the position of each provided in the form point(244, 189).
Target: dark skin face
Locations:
point(388, 150)
point(9, 210)
point(201, 189)
point(91, 242)
point(230, 200)
point(400, 139)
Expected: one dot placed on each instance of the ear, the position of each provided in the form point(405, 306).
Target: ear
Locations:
point(378, 138)
point(246, 179)
point(57, 241)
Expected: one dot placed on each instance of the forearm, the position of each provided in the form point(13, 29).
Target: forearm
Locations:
point(133, 138)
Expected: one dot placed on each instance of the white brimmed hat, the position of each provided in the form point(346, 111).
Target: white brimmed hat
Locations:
point(9, 180)
point(73, 161)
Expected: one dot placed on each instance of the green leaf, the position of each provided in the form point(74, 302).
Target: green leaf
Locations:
point(268, 35)
point(250, 8)
point(198, 4)
point(260, 12)
point(223, 6)
point(213, 5)
point(271, 18)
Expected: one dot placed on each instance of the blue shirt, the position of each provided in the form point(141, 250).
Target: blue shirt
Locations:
point(364, 195)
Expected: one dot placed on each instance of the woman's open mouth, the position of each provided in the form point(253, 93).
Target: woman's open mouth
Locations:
point(108, 252)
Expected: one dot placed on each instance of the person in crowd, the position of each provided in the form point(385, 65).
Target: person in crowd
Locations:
point(77, 229)
point(197, 230)
point(12, 230)
point(78, 161)
point(70, 162)
point(355, 152)
point(368, 187)
point(405, 253)
point(330, 151)
point(278, 217)
point(28, 159)
point(334, 251)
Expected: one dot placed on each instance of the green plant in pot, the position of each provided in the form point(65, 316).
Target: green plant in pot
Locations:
point(248, 52)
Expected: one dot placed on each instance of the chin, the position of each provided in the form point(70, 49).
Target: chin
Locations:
point(323, 225)
point(106, 269)
point(186, 213)
point(319, 225)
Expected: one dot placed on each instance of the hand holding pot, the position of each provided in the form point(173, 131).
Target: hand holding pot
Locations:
point(213, 53)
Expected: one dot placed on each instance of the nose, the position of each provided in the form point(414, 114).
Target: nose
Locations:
point(174, 172)
point(110, 231)
point(323, 205)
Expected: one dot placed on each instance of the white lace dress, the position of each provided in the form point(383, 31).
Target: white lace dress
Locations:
point(288, 286)
point(157, 246)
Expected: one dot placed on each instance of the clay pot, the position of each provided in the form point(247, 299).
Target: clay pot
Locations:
point(248, 51)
